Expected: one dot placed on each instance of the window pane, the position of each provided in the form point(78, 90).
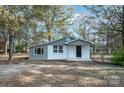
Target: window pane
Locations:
point(60, 49)
point(55, 49)
point(38, 51)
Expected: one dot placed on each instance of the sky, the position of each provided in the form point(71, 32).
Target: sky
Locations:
point(80, 9)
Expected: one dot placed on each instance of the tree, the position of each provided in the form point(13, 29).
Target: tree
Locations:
point(11, 22)
point(4, 37)
point(24, 34)
point(83, 25)
point(3, 26)
point(123, 25)
point(110, 16)
point(52, 18)
point(21, 24)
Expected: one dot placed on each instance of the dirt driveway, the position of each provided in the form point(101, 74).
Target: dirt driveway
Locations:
point(61, 74)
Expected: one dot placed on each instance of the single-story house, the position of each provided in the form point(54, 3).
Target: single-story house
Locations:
point(67, 48)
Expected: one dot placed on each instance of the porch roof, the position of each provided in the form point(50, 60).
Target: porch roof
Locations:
point(78, 42)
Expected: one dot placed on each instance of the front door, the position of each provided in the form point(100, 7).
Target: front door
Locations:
point(78, 51)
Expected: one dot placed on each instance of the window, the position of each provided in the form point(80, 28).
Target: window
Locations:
point(57, 49)
point(39, 51)
point(60, 49)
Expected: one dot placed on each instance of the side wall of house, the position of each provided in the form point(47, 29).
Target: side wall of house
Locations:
point(54, 56)
point(34, 56)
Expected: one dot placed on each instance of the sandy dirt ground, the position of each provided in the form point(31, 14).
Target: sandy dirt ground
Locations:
point(61, 74)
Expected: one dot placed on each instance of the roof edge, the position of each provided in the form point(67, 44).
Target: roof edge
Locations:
point(79, 39)
point(51, 41)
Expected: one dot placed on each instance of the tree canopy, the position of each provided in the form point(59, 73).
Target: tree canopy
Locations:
point(24, 26)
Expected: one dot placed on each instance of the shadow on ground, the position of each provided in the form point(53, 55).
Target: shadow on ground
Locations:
point(61, 74)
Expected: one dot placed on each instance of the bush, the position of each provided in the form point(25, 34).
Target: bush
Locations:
point(118, 57)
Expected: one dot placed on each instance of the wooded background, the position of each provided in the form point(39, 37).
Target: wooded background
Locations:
point(24, 26)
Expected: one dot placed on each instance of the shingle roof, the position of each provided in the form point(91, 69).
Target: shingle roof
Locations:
point(63, 41)
point(78, 39)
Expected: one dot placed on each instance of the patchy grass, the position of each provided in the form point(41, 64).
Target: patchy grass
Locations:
point(63, 74)
point(17, 58)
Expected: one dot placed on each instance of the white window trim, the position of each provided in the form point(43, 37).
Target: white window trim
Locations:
point(36, 52)
point(58, 49)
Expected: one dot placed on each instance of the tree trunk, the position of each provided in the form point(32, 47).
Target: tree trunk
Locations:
point(107, 42)
point(93, 49)
point(49, 38)
point(10, 48)
point(18, 49)
point(123, 26)
point(102, 56)
point(6, 39)
point(94, 52)
point(49, 35)
point(13, 49)
point(5, 48)
point(26, 44)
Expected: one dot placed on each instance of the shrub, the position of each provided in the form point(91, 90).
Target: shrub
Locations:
point(118, 57)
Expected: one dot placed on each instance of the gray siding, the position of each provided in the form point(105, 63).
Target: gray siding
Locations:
point(43, 56)
point(48, 46)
